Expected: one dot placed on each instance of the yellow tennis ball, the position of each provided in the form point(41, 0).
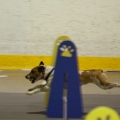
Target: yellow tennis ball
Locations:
point(102, 113)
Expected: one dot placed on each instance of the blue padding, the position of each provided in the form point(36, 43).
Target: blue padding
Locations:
point(65, 65)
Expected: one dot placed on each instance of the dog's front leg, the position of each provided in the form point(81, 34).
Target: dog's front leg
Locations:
point(47, 86)
point(34, 90)
point(37, 86)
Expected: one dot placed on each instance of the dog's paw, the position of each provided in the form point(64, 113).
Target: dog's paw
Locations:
point(115, 84)
point(31, 92)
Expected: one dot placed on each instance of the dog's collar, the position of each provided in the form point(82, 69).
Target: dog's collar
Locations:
point(46, 78)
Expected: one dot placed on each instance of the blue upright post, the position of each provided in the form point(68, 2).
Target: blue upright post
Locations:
point(66, 63)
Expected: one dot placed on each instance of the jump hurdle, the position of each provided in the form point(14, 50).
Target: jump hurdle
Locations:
point(66, 64)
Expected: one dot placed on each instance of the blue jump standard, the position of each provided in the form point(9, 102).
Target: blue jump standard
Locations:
point(65, 65)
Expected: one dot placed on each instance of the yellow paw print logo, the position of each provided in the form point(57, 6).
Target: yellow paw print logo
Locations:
point(66, 51)
point(103, 113)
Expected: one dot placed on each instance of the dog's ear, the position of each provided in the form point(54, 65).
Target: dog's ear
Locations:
point(41, 63)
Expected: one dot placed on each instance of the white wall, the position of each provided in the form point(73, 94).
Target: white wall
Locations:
point(31, 26)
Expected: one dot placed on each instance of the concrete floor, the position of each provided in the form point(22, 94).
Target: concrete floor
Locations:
point(16, 105)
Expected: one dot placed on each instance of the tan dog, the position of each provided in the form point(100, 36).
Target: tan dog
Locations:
point(45, 75)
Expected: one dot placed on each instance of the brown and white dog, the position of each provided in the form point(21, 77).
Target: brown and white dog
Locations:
point(45, 75)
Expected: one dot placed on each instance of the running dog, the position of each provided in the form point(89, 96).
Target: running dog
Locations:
point(45, 75)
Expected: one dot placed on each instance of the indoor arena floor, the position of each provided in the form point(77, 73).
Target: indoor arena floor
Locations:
point(16, 105)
